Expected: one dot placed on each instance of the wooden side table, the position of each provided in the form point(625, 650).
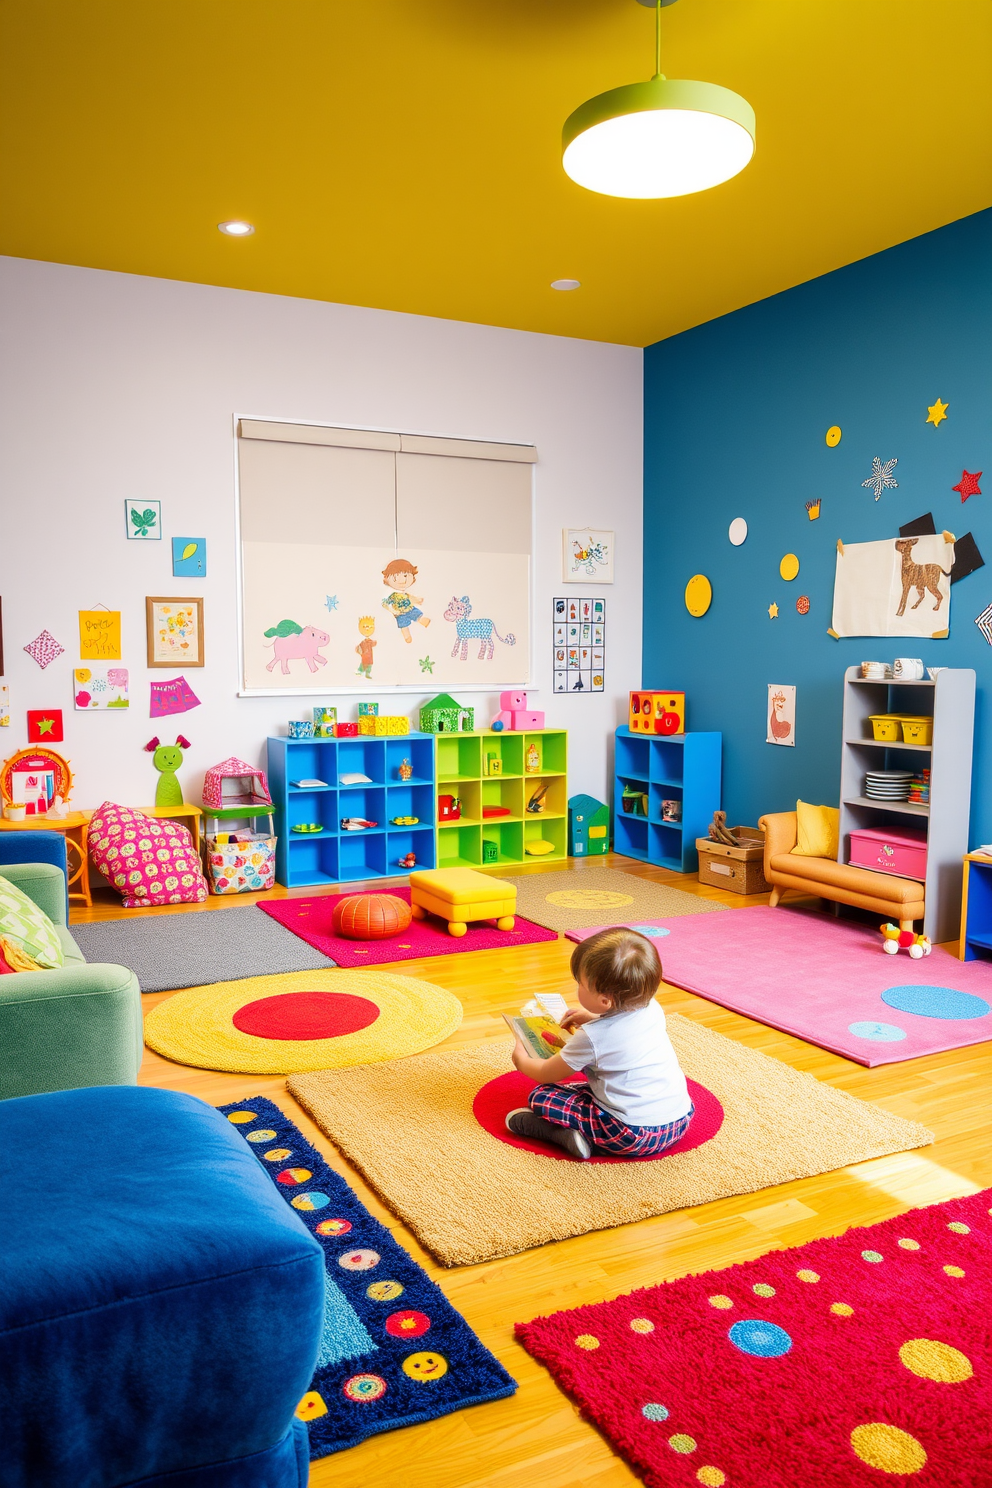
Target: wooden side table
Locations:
point(976, 908)
point(75, 826)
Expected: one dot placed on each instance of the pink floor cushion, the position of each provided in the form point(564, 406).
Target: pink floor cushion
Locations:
point(509, 1092)
point(147, 860)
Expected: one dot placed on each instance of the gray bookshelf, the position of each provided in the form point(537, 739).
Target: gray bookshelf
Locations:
point(950, 699)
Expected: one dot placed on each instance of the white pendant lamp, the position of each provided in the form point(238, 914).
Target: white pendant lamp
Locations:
point(659, 138)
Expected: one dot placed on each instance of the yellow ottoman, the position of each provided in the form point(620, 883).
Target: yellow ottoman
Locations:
point(459, 895)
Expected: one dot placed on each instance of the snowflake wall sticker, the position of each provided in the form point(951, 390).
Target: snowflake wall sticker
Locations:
point(881, 477)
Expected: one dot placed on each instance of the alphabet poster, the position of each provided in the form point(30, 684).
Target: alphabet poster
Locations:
point(781, 715)
point(896, 587)
point(579, 644)
point(99, 635)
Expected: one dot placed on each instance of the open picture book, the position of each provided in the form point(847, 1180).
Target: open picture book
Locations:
point(537, 1025)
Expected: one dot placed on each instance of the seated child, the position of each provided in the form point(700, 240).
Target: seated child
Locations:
point(636, 1103)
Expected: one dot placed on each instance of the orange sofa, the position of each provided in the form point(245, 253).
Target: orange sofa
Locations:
point(898, 899)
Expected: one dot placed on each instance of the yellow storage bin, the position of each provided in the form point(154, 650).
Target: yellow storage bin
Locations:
point(886, 727)
point(917, 730)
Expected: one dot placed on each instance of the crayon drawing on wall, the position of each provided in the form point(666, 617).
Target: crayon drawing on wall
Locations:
point(781, 714)
point(98, 687)
point(587, 553)
point(99, 635)
point(895, 587)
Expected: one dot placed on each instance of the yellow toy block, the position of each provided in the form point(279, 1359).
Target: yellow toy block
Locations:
point(459, 895)
point(657, 713)
point(388, 724)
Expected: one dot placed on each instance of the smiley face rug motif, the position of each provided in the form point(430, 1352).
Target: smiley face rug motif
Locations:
point(394, 1351)
point(303, 1020)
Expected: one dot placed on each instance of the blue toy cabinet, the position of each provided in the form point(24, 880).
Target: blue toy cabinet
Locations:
point(651, 774)
point(333, 855)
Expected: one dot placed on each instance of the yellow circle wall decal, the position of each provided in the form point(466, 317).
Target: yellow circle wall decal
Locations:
point(789, 566)
point(698, 595)
point(833, 435)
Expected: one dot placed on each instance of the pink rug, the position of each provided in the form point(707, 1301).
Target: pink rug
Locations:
point(851, 1362)
point(311, 919)
point(827, 981)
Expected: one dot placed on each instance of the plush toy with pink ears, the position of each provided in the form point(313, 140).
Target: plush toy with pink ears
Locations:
point(167, 758)
point(895, 940)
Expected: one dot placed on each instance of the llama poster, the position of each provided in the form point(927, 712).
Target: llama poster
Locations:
point(897, 587)
point(781, 715)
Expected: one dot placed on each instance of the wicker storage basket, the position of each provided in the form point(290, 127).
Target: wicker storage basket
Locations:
point(739, 870)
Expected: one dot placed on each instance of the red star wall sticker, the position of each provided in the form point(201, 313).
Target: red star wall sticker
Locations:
point(968, 484)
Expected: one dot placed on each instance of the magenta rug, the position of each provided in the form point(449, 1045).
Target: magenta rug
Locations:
point(850, 1362)
point(827, 981)
point(311, 919)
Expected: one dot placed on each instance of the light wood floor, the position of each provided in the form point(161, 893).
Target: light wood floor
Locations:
point(536, 1437)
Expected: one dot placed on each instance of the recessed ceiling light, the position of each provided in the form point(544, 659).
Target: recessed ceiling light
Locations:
point(236, 229)
point(566, 284)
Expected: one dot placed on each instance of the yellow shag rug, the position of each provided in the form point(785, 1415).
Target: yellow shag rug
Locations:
point(302, 1020)
point(468, 1197)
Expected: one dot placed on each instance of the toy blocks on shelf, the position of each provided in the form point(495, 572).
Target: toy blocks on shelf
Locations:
point(390, 723)
point(324, 720)
point(657, 713)
point(514, 714)
point(346, 731)
point(368, 710)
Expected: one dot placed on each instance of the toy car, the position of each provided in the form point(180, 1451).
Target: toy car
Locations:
point(405, 821)
point(356, 824)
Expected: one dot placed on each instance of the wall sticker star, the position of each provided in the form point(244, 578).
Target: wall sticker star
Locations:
point(936, 412)
point(331, 602)
point(773, 611)
point(426, 665)
point(968, 484)
point(881, 476)
point(45, 725)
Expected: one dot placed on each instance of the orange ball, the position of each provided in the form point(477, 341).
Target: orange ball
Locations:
point(370, 916)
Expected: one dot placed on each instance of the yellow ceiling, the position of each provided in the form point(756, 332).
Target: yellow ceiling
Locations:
point(407, 156)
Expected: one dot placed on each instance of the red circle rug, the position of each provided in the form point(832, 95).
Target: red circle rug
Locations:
point(305, 1015)
point(509, 1092)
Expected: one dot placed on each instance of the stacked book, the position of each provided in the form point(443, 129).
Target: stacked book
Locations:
point(919, 788)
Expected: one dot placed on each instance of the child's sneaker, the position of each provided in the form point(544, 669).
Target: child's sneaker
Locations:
point(524, 1122)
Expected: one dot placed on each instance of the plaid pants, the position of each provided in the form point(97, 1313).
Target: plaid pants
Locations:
point(573, 1106)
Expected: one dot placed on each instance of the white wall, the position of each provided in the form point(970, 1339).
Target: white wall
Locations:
point(117, 387)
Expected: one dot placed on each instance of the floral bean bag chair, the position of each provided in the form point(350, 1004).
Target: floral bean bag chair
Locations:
point(149, 861)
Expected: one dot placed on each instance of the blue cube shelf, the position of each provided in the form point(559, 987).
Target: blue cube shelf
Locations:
point(676, 767)
point(335, 856)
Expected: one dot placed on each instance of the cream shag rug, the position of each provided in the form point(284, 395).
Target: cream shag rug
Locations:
point(601, 896)
point(408, 1125)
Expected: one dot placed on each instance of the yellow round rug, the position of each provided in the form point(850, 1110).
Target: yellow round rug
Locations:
point(302, 1020)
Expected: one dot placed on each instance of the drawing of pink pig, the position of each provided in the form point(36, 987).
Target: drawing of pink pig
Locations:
point(292, 642)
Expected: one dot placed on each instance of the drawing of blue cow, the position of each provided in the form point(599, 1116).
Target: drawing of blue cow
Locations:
point(467, 630)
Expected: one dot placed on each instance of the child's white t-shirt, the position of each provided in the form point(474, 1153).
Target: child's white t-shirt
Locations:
point(631, 1066)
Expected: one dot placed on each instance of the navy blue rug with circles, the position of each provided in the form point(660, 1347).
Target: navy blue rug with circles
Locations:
point(394, 1351)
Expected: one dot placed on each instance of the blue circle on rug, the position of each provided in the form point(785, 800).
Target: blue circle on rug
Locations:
point(879, 1033)
point(765, 1340)
point(654, 932)
point(936, 1002)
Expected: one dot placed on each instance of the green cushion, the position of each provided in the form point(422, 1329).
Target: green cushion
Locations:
point(73, 955)
point(28, 926)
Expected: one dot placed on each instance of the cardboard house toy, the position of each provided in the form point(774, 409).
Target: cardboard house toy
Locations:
point(233, 783)
point(657, 713)
point(588, 827)
point(442, 715)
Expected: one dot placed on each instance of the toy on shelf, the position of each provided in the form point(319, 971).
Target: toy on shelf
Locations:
point(34, 778)
point(488, 812)
point(494, 764)
point(301, 728)
point(449, 808)
point(657, 713)
point(167, 758)
point(346, 731)
point(635, 802)
point(490, 852)
point(588, 827)
point(514, 714)
point(538, 848)
point(368, 710)
point(370, 916)
point(356, 824)
point(324, 720)
point(405, 770)
point(406, 821)
point(370, 724)
point(537, 803)
point(233, 783)
point(895, 940)
point(307, 827)
point(442, 715)
point(532, 759)
point(408, 861)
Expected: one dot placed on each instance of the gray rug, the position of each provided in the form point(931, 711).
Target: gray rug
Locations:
point(167, 952)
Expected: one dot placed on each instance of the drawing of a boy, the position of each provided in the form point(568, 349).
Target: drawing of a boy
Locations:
point(363, 650)
point(401, 573)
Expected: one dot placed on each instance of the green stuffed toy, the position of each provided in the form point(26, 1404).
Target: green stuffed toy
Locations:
point(167, 758)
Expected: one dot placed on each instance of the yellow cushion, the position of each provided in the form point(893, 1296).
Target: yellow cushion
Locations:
point(539, 848)
point(818, 831)
point(462, 886)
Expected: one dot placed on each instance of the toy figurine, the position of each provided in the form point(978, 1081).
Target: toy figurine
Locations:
point(409, 861)
point(533, 759)
point(895, 940)
point(167, 758)
point(405, 770)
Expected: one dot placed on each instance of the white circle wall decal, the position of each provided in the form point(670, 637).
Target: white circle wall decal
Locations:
point(738, 531)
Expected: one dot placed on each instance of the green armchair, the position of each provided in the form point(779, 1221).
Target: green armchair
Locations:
point(78, 1025)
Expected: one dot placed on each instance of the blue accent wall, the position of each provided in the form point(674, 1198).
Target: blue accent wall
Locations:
point(735, 417)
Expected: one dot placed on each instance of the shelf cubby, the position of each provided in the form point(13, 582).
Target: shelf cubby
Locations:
point(462, 762)
point(679, 767)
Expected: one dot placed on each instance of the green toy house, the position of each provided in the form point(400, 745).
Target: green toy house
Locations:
point(442, 715)
point(588, 827)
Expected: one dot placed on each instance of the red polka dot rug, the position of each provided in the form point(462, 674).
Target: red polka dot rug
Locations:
point(393, 1350)
point(850, 1362)
point(304, 1020)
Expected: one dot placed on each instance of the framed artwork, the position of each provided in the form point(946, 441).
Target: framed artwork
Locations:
point(781, 715)
point(174, 630)
point(189, 557)
point(587, 553)
point(143, 520)
point(45, 726)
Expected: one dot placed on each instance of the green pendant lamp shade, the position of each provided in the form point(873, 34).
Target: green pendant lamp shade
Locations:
point(658, 138)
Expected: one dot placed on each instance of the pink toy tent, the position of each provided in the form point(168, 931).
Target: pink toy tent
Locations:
point(233, 783)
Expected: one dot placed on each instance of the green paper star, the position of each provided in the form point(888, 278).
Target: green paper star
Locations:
point(426, 665)
point(45, 725)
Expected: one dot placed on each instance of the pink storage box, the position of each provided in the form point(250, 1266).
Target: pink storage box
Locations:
point(903, 852)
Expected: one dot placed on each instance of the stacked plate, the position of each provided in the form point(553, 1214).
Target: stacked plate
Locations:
point(888, 785)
